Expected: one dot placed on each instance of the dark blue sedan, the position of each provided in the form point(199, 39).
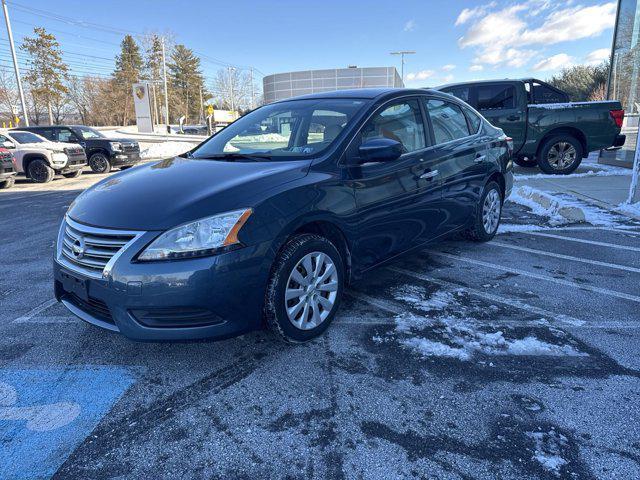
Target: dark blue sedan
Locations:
point(267, 221)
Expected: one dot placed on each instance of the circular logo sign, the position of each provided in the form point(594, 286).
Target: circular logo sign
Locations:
point(78, 248)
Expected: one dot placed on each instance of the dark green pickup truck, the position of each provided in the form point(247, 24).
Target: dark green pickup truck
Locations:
point(547, 130)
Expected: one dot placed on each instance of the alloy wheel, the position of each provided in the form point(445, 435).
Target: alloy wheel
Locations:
point(38, 171)
point(562, 155)
point(99, 163)
point(311, 290)
point(491, 208)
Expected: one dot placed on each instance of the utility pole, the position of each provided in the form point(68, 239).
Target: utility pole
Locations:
point(402, 53)
point(166, 92)
point(231, 100)
point(253, 103)
point(201, 116)
point(15, 63)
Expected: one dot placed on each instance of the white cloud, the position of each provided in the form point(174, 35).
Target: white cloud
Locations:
point(469, 13)
point(448, 67)
point(598, 56)
point(554, 62)
point(476, 68)
point(421, 75)
point(509, 35)
point(410, 26)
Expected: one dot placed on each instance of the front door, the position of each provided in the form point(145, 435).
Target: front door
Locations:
point(399, 201)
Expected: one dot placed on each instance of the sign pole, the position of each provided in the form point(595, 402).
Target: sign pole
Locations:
point(636, 167)
point(15, 63)
point(166, 93)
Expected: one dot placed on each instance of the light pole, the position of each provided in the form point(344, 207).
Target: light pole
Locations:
point(402, 53)
point(15, 65)
point(166, 93)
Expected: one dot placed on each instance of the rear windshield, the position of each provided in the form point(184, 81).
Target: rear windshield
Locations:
point(287, 130)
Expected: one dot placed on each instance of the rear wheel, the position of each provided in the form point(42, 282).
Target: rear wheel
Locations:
point(74, 174)
point(526, 162)
point(304, 289)
point(8, 183)
point(488, 213)
point(560, 155)
point(99, 163)
point(40, 172)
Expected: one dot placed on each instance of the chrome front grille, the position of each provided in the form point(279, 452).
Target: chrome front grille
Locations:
point(89, 250)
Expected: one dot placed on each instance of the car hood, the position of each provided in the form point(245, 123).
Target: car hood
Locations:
point(120, 140)
point(57, 146)
point(171, 192)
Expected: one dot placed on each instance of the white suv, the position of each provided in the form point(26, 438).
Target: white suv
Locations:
point(40, 159)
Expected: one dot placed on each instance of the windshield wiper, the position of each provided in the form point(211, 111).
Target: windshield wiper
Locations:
point(235, 156)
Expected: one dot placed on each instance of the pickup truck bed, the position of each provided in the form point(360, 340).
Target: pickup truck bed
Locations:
point(547, 129)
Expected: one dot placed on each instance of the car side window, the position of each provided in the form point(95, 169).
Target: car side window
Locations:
point(66, 135)
point(474, 120)
point(496, 97)
point(447, 120)
point(48, 133)
point(401, 122)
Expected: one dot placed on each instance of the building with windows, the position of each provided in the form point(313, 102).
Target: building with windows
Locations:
point(624, 77)
point(292, 84)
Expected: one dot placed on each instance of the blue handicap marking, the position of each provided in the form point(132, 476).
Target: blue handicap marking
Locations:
point(46, 413)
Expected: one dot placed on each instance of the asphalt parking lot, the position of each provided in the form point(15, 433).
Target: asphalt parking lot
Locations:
point(518, 359)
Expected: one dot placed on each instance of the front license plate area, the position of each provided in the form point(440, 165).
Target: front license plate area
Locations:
point(75, 285)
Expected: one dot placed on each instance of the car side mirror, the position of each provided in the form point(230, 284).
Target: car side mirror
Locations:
point(8, 144)
point(380, 150)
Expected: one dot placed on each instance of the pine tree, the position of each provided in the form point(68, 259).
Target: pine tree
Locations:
point(187, 83)
point(46, 70)
point(153, 70)
point(127, 72)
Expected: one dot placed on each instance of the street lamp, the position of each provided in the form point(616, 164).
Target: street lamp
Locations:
point(402, 53)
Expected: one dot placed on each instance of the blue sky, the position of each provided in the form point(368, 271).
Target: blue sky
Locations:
point(454, 40)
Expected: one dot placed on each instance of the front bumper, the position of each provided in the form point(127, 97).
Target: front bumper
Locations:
point(119, 159)
point(211, 297)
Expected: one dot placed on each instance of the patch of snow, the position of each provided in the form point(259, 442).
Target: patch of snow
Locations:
point(165, 149)
point(548, 448)
point(599, 171)
point(417, 297)
point(630, 208)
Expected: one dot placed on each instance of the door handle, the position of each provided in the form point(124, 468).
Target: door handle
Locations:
point(480, 158)
point(429, 175)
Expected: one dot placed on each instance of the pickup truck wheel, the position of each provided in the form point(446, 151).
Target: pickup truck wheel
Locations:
point(526, 162)
point(40, 172)
point(99, 163)
point(304, 289)
point(75, 174)
point(560, 155)
point(488, 213)
point(8, 183)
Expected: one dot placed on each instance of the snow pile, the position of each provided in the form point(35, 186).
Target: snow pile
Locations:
point(630, 208)
point(263, 137)
point(416, 296)
point(548, 447)
point(165, 149)
point(463, 338)
point(600, 171)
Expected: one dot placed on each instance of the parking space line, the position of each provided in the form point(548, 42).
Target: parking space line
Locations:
point(52, 319)
point(560, 317)
point(376, 302)
point(524, 273)
point(581, 240)
point(35, 311)
point(565, 257)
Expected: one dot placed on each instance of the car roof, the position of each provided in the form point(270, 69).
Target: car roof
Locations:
point(360, 93)
point(481, 82)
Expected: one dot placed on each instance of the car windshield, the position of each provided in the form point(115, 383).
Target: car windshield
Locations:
point(287, 130)
point(89, 133)
point(27, 137)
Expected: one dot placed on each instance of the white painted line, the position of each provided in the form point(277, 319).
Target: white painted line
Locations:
point(52, 319)
point(390, 307)
point(524, 273)
point(35, 311)
point(560, 317)
point(581, 240)
point(565, 257)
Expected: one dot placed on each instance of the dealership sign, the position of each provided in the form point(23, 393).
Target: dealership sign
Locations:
point(142, 103)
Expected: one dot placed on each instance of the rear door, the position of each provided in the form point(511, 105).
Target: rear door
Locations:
point(504, 106)
point(398, 202)
point(461, 153)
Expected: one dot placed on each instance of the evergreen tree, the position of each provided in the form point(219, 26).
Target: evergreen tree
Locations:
point(187, 83)
point(582, 82)
point(46, 70)
point(153, 71)
point(127, 72)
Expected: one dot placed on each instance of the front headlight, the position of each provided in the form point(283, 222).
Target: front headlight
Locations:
point(59, 157)
point(198, 238)
point(115, 146)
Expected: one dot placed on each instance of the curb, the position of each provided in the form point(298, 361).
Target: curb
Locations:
point(548, 202)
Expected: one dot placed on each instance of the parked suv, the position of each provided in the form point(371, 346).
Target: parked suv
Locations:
point(103, 152)
point(7, 171)
point(270, 218)
point(39, 159)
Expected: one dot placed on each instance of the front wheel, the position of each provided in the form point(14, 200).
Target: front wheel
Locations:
point(99, 163)
point(304, 289)
point(488, 213)
point(74, 174)
point(560, 155)
point(8, 183)
point(40, 172)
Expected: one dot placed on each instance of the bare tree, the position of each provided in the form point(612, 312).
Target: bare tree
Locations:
point(232, 89)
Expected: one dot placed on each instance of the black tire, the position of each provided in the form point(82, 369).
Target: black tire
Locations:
point(74, 174)
point(99, 163)
point(526, 162)
point(124, 167)
point(562, 144)
point(40, 172)
point(275, 309)
point(478, 232)
point(8, 183)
